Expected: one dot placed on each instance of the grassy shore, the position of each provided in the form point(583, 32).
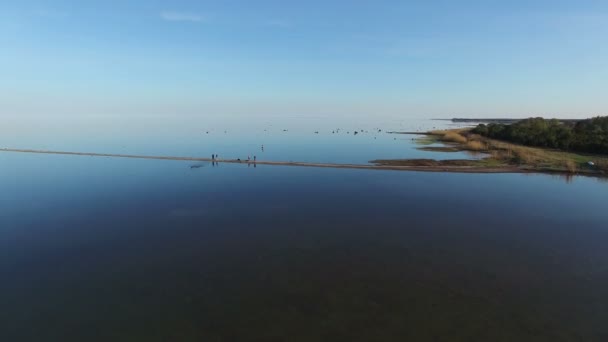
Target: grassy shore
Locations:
point(502, 154)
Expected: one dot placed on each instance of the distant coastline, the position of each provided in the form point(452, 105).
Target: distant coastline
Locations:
point(499, 120)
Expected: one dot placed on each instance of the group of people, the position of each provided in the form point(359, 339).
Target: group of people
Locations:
point(215, 158)
point(255, 159)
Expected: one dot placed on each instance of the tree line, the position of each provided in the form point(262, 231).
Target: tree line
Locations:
point(590, 136)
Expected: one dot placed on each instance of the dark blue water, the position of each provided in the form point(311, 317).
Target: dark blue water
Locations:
point(100, 249)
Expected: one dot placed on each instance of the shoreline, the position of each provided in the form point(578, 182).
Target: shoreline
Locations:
point(503, 157)
point(504, 154)
point(374, 165)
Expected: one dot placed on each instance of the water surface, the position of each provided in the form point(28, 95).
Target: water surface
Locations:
point(100, 249)
point(300, 140)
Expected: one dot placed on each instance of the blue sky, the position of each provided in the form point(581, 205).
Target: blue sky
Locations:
point(73, 59)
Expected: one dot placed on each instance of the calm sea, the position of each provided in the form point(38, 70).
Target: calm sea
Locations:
point(101, 249)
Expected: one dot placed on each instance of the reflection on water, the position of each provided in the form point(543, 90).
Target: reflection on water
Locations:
point(295, 140)
point(98, 249)
point(568, 178)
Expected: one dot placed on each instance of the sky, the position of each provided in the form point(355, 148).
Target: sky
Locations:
point(147, 59)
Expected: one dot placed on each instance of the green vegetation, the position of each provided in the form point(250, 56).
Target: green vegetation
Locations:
point(532, 145)
point(588, 136)
point(505, 155)
point(533, 158)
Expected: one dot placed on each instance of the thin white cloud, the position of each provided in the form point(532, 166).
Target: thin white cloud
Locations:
point(182, 16)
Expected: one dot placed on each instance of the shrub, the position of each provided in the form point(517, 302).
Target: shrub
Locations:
point(589, 136)
point(476, 146)
point(454, 137)
point(602, 165)
point(571, 166)
point(475, 137)
point(525, 156)
point(480, 129)
point(498, 155)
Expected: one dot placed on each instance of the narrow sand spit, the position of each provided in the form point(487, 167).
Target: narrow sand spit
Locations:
point(425, 168)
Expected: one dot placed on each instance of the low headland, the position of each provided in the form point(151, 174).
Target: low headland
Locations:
point(557, 147)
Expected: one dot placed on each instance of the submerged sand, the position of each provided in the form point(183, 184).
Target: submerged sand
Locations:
point(377, 165)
